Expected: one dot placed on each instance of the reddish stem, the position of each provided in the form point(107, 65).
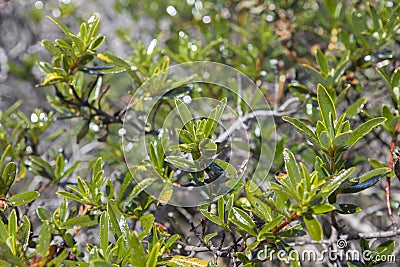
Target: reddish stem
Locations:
point(387, 188)
point(283, 224)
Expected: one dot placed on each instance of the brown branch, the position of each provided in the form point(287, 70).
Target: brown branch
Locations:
point(284, 223)
point(387, 187)
point(225, 251)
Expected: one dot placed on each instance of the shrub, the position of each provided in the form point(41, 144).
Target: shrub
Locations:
point(304, 97)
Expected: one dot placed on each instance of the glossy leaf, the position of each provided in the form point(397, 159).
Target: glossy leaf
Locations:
point(147, 222)
point(166, 193)
point(322, 208)
point(314, 228)
point(303, 130)
point(347, 208)
point(7, 178)
point(152, 256)
point(23, 198)
point(243, 221)
point(82, 221)
point(364, 129)
point(326, 105)
point(118, 221)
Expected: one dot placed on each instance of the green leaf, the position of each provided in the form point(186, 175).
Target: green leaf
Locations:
point(210, 216)
point(356, 107)
point(386, 248)
point(347, 208)
point(138, 188)
point(52, 49)
point(23, 198)
point(83, 131)
point(147, 222)
point(386, 113)
point(110, 58)
point(342, 138)
point(44, 240)
point(82, 221)
point(207, 238)
point(61, 25)
point(314, 228)
point(64, 210)
point(256, 198)
point(71, 169)
point(6, 255)
point(97, 42)
point(45, 165)
point(128, 179)
point(303, 130)
point(322, 62)
point(315, 74)
point(43, 214)
point(101, 263)
point(373, 173)
point(94, 24)
point(213, 118)
point(364, 244)
point(221, 209)
point(52, 77)
point(180, 162)
point(326, 105)
point(377, 163)
point(138, 252)
point(171, 241)
point(364, 182)
point(7, 178)
point(185, 115)
point(185, 136)
point(228, 208)
point(266, 229)
point(12, 225)
point(5, 153)
point(73, 197)
point(25, 229)
point(325, 139)
point(9, 111)
point(104, 231)
point(153, 256)
point(322, 208)
point(243, 221)
point(59, 168)
point(3, 232)
point(166, 193)
point(364, 129)
point(331, 185)
point(118, 221)
point(292, 169)
point(157, 162)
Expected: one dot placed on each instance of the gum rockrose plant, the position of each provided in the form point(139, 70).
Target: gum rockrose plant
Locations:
point(296, 149)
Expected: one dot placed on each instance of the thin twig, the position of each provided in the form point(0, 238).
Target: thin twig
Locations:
point(258, 113)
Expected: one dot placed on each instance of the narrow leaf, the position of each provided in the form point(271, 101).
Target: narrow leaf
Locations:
point(314, 228)
point(243, 221)
point(326, 105)
point(23, 198)
point(364, 129)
